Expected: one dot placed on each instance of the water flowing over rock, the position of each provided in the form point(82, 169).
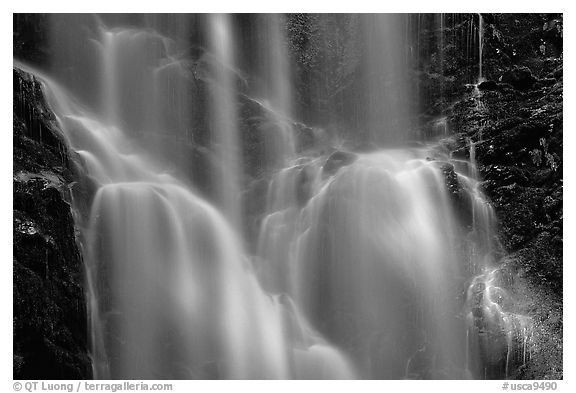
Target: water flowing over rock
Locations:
point(371, 259)
point(225, 239)
point(171, 292)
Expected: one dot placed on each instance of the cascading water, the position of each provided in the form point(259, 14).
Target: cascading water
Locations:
point(388, 95)
point(171, 290)
point(370, 257)
point(480, 46)
point(224, 116)
point(276, 90)
point(367, 265)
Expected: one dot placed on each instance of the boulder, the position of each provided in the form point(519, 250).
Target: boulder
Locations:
point(337, 160)
point(488, 86)
point(520, 78)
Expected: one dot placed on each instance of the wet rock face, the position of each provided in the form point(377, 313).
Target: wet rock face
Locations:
point(519, 142)
point(458, 195)
point(50, 320)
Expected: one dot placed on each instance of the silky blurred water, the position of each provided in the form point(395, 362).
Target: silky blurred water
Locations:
point(377, 264)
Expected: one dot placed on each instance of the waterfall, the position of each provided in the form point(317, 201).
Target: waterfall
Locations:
point(276, 91)
point(365, 257)
point(480, 46)
point(171, 290)
point(224, 117)
point(441, 44)
point(387, 90)
point(377, 264)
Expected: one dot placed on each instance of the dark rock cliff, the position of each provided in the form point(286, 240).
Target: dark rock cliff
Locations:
point(50, 319)
point(518, 135)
